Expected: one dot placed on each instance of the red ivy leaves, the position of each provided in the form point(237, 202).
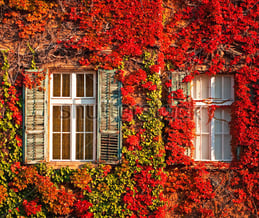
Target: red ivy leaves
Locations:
point(31, 207)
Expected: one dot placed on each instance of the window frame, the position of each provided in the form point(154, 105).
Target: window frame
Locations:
point(73, 101)
point(205, 103)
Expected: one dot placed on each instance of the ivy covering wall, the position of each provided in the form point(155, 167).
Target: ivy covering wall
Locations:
point(143, 40)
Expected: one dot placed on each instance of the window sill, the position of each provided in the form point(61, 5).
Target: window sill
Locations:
point(70, 164)
point(214, 165)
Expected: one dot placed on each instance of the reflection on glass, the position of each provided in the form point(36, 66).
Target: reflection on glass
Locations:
point(227, 118)
point(218, 120)
point(197, 119)
point(205, 154)
point(227, 87)
point(89, 85)
point(197, 147)
point(80, 146)
point(65, 118)
point(205, 120)
point(65, 85)
point(89, 119)
point(56, 85)
point(56, 146)
point(218, 147)
point(196, 88)
point(227, 147)
point(56, 118)
point(88, 146)
point(65, 146)
point(80, 85)
point(218, 87)
point(79, 118)
point(205, 87)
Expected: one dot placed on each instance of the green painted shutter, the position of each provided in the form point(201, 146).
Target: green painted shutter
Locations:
point(35, 126)
point(109, 117)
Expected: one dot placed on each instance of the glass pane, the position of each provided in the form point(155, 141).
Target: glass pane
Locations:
point(80, 118)
point(56, 85)
point(196, 88)
point(88, 146)
point(56, 146)
point(205, 151)
point(80, 85)
point(79, 146)
point(65, 85)
point(197, 120)
point(227, 88)
point(218, 147)
point(89, 85)
point(227, 118)
point(218, 87)
point(56, 118)
point(65, 146)
point(204, 120)
point(66, 119)
point(89, 119)
point(227, 147)
point(197, 147)
point(218, 120)
point(205, 87)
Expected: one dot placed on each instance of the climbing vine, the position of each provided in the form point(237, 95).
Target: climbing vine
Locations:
point(144, 40)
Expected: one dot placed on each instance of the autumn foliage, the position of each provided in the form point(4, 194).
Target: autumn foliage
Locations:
point(144, 40)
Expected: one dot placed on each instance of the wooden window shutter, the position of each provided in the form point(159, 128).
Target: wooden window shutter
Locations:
point(35, 121)
point(109, 117)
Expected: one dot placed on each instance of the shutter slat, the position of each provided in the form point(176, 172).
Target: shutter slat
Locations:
point(109, 113)
point(35, 122)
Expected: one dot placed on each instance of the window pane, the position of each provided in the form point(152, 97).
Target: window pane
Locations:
point(197, 147)
point(227, 88)
point(56, 85)
point(88, 146)
point(89, 119)
point(65, 146)
point(56, 118)
point(80, 118)
point(79, 146)
point(218, 87)
point(89, 85)
point(196, 88)
point(56, 146)
point(205, 87)
point(218, 147)
point(227, 147)
point(227, 118)
point(66, 119)
point(205, 151)
point(197, 116)
point(218, 120)
point(65, 85)
point(80, 85)
point(204, 120)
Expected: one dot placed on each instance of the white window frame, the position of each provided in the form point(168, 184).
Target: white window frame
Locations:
point(205, 103)
point(73, 101)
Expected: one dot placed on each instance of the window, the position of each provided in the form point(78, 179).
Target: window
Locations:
point(77, 118)
point(73, 116)
point(212, 141)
